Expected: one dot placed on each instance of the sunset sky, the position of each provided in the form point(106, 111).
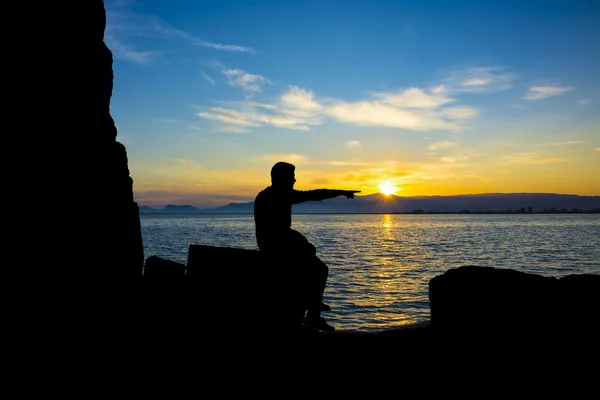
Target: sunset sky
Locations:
point(412, 97)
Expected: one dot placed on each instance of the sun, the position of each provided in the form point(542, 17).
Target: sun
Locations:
point(388, 188)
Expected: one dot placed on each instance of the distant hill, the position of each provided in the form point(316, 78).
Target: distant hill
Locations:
point(378, 203)
point(170, 209)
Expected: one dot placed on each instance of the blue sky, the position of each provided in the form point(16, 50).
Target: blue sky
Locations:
point(407, 97)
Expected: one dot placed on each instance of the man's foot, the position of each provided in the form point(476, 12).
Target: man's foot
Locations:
point(318, 324)
point(324, 307)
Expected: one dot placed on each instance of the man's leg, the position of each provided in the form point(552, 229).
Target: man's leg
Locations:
point(317, 272)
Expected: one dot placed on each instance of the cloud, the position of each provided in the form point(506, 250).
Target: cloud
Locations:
point(544, 92)
point(283, 121)
point(227, 47)
point(249, 83)
point(597, 149)
point(448, 159)
point(297, 108)
point(194, 40)
point(533, 159)
point(478, 80)
point(298, 105)
point(412, 109)
point(231, 129)
point(299, 99)
point(128, 53)
point(125, 27)
point(413, 98)
point(459, 112)
point(353, 143)
point(261, 105)
point(367, 113)
point(227, 116)
point(583, 102)
point(441, 145)
point(562, 143)
point(208, 78)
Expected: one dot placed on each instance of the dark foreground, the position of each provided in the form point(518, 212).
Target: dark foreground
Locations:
point(469, 304)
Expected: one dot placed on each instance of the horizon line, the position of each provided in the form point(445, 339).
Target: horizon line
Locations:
point(384, 195)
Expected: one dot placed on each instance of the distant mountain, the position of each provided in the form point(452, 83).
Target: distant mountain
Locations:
point(170, 209)
point(378, 203)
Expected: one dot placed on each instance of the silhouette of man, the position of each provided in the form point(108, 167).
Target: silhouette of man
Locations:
point(276, 238)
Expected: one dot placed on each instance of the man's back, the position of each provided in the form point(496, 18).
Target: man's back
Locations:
point(272, 215)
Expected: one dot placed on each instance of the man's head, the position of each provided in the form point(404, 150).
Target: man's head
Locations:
point(282, 174)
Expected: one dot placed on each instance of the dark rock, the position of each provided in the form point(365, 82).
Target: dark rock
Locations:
point(161, 273)
point(473, 302)
point(241, 289)
point(245, 287)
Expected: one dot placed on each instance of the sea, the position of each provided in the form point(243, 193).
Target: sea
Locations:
point(380, 264)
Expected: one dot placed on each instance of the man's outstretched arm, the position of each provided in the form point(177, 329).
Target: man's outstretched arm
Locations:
point(301, 196)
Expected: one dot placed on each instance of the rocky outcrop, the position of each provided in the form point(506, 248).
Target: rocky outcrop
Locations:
point(121, 240)
point(473, 302)
point(76, 171)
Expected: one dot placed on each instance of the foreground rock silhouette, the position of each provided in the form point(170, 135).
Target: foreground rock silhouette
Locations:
point(467, 303)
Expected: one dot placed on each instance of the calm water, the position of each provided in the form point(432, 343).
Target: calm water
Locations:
point(380, 265)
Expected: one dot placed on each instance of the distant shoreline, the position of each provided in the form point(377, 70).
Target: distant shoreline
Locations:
point(383, 213)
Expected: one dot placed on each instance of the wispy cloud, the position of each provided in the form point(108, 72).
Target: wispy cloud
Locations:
point(441, 145)
point(208, 78)
point(533, 159)
point(297, 108)
point(227, 47)
point(160, 26)
point(298, 105)
point(125, 27)
point(124, 51)
point(413, 98)
point(459, 112)
point(562, 143)
point(249, 83)
point(370, 113)
point(228, 116)
point(299, 99)
point(411, 109)
point(353, 143)
point(262, 105)
point(282, 121)
point(231, 129)
point(477, 79)
point(583, 102)
point(597, 149)
point(544, 92)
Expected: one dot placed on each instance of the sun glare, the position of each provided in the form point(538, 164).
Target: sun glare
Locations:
point(388, 188)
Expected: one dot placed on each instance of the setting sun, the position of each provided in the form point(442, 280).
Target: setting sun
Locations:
point(388, 188)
